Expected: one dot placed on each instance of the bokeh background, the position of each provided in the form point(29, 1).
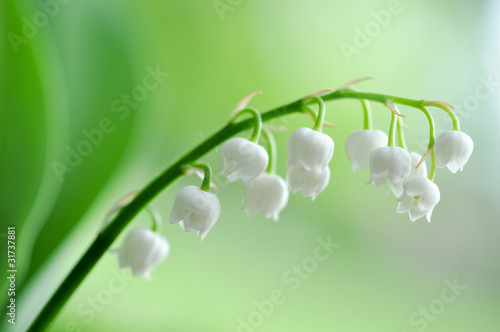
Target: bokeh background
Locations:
point(67, 68)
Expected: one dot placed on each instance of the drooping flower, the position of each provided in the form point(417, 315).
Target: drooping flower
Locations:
point(142, 250)
point(266, 193)
point(453, 149)
point(421, 170)
point(360, 144)
point(310, 184)
point(196, 209)
point(420, 197)
point(390, 163)
point(241, 159)
point(310, 149)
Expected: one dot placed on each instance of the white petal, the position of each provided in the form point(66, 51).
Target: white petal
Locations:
point(307, 182)
point(405, 204)
point(143, 249)
point(266, 193)
point(421, 170)
point(242, 160)
point(392, 163)
point(198, 209)
point(309, 148)
point(360, 144)
point(452, 149)
point(415, 213)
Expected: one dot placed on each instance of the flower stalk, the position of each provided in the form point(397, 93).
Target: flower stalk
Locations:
point(207, 178)
point(125, 215)
point(268, 135)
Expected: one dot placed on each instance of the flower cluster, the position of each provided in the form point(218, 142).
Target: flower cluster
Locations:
point(406, 172)
point(309, 152)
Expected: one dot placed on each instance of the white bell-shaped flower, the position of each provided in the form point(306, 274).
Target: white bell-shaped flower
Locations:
point(453, 149)
point(196, 209)
point(142, 250)
point(360, 144)
point(390, 163)
point(420, 197)
point(308, 182)
point(421, 170)
point(310, 149)
point(241, 159)
point(266, 193)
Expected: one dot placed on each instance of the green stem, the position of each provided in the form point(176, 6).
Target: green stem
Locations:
point(104, 240)
point(432, 130)
point(310, 111)
point(258, 122)
point(432, 172)
point(367, 115)
point(392, 130)
point(271, 167)
point(401, 134)
point(207, 177)
point(156, 217)
point(441, 105)
point(318, 125)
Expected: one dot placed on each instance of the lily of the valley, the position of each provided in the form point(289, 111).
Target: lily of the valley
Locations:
point(310, 184)
point(241, 159)
point(391, 164)
point(142, 250)
point(453, 149)
point(360, 144)
point(197, 210)
point(420, 197)
point(266, 193)
point(310, 149)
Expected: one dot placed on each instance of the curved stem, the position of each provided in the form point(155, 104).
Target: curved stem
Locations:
point(271, 167)
point(367, 115)
point(207, 178)
point(401, 134)
point(104, 240)
point(306, 109)
point(432, 130)
point(155, 215)
point(392, 130)
point(318, 125)
point(258, 122)
point(445, 107)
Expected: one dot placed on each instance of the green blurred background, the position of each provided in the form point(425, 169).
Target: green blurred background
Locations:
point(66, 69)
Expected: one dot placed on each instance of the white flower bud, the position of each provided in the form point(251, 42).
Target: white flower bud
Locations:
point(360, 144)
point(310, 149)
point(453, 149)
point(196, 209)
point(266, 193)
point(390, 163)
point(420, 197)
point(310, 184)
point(142, 250)
point(243, 160)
